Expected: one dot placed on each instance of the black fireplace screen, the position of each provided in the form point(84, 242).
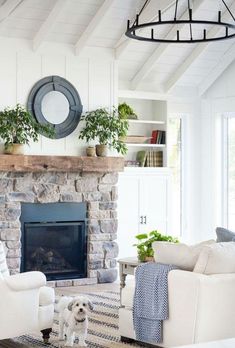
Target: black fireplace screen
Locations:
point(53, 241)
point(54, 249)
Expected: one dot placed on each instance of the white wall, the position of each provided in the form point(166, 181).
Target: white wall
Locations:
point(218, 100)
point(94, 74)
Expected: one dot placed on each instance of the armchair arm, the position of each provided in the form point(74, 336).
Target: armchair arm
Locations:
point(25, 281)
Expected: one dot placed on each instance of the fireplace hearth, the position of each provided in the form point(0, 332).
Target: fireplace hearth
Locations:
point(54, 240)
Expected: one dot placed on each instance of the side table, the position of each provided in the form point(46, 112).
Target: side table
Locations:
point(126, 267)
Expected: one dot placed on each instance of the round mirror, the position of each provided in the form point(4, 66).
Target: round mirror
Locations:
point(55, 107)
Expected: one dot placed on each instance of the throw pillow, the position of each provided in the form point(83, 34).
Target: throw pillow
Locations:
point(224, 235)
point(216, 258)
point(178, 254)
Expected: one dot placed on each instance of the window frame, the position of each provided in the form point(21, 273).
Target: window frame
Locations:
point(225, 167)
point(183, 124)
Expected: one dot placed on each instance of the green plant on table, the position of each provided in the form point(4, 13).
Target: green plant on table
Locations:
point(17, 126)
point(145, 241)
point(105, 127)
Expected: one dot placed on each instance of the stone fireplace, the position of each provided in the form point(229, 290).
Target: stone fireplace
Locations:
point(37, 179)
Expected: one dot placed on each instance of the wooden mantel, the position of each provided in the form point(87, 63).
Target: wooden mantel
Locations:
point(25, 163)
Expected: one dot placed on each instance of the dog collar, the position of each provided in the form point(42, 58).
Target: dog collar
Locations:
point(80, 321)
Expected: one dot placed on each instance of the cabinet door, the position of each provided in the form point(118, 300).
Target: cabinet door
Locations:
point(154, 203)
point(128, 214)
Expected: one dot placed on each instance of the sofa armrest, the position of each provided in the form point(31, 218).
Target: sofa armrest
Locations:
point(25, 281)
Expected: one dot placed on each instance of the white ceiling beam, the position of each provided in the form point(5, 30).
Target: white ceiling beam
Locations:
point(227, 59)
point(94, 23)
point(151, 62)
point(195, 54)
point(148, 15)
point(7, 8)
point(49, 23)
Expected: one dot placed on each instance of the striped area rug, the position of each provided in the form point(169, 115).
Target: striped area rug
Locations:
point(102, 331)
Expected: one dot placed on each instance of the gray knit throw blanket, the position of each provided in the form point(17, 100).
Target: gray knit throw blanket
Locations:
point(151, 301)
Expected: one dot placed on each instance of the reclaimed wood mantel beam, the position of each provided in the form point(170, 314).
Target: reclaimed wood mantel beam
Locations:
point(24, 163)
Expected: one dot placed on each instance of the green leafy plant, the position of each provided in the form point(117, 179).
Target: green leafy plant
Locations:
point(17, 126)
point(126, 112)
point(106, 127)
point(145, 241)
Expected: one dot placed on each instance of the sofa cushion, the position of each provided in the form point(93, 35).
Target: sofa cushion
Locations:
point(178, 254)
point(224, 235)
point(216, 259)
point(46, 296)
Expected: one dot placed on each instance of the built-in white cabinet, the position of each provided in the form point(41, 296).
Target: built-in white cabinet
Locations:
point(144, 205)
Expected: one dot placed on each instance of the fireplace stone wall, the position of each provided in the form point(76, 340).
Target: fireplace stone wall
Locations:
point(98, 190)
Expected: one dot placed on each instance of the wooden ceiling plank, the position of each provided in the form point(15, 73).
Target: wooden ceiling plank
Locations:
point(94, 23)
point(151, 62)
point(7, 8)
point(195, 54)
point(225, 62)
point(49, 23)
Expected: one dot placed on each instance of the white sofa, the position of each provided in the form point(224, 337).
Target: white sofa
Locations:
point(26, 304)
point(201, 309)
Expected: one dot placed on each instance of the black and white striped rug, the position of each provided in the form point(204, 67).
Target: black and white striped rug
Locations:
point(102, 332)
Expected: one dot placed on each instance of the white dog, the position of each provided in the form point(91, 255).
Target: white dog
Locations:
point(73, 319)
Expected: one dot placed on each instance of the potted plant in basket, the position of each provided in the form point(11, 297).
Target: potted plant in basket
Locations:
point(107, 128)
point(17, 127)
point(145, 241)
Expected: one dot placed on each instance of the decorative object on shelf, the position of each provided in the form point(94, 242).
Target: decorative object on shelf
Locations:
point(55, 101)
point(17, 127)
point(136, 139)
point(158, 137)
point(106, 127)
point(91, 151)
point(135, 29)
point(154, 159)
point(131, 163)
point(126, 112)
point(141, 157)
point(145, 241)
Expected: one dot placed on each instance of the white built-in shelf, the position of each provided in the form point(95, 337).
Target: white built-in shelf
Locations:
point(145, 145)
point(146, 122)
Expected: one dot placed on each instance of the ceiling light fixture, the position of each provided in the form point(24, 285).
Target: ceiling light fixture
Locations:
point(135, 30)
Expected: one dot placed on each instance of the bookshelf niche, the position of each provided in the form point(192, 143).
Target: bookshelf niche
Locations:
point(147, 135)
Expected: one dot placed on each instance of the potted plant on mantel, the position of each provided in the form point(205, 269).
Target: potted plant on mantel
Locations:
point(17, 127)
point(107, 128)
point(145, 241)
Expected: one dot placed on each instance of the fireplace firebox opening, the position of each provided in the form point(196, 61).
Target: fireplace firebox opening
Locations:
point(54, 239)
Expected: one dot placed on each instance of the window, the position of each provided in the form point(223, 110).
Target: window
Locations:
point(174, 139)
point(229, 172)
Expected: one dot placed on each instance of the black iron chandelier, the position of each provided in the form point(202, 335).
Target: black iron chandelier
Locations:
point(135, 30)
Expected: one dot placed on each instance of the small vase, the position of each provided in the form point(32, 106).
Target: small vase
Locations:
point(91, 151)
point(15, 149)
point(102, 150)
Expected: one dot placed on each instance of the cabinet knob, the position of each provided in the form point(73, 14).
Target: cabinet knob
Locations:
point(145, 220)
point(141, 220)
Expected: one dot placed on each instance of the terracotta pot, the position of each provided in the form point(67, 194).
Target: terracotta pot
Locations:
point(91, 151)
point(102, 150)
point(15, 149)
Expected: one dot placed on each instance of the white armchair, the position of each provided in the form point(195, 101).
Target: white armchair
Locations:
point(201, 309)
point(26, 304)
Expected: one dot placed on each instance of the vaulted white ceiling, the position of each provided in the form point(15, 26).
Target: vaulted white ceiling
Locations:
point(102, 23)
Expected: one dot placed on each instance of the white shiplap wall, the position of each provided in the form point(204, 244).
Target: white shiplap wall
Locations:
point(94, 74)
